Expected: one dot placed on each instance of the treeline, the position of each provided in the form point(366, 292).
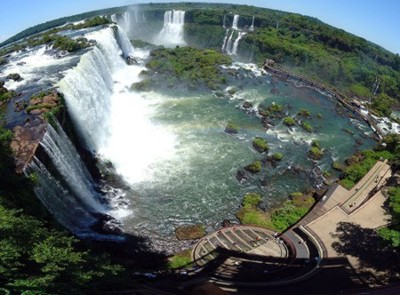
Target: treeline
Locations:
point(306, 46)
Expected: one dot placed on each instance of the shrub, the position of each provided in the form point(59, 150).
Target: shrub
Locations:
point(277, 156)
point(304, 113)
point(251, 200)
point(315, 153)
point(260, 144)
point(289, 121)
point(254, 167)
point(231, 128)
point(306, 126)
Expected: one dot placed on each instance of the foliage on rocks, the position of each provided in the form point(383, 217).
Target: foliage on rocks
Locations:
point(260, 144)
point(196, 68)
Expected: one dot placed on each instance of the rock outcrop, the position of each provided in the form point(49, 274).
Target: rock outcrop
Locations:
point(27, 137)
point(190, 232)
point(26, 141)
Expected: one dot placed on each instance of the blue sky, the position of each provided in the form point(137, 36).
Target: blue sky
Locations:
point(375, 20)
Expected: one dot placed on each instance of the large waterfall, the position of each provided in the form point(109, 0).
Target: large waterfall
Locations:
point(98, 96)
point(68, 192)
point(172, 33)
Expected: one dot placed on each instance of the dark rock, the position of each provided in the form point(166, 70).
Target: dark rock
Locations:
point(231, 128)
point(226, 223)
point(190, 232)
point(247, 105)
point(106, 224)
point(241, 176)
point(14, 76)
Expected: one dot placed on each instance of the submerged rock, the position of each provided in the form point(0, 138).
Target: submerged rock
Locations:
point(190, 232)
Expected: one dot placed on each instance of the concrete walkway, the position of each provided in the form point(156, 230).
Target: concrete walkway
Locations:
point(258, 257)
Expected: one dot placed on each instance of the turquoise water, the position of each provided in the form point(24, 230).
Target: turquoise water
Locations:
point(197, 182)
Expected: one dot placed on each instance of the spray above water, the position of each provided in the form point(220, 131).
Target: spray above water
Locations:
point(172, 33)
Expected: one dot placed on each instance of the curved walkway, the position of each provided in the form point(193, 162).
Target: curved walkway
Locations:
point(252, 256)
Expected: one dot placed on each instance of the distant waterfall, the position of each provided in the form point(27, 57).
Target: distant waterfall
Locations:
point(172, 33)
point(236, 43)
point(235, 22)
point(128, 20)
point(251, 29)
point(232, 37)
point(224, 22)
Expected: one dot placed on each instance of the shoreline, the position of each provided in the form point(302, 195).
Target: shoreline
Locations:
point(341, 98)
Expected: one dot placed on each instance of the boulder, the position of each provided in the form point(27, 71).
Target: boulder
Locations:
point(14, 76)
point(190, 232)
point(106, 224)
point(247, 105)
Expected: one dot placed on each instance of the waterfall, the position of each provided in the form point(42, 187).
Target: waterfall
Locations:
point(124, 43)
point(224, 22)
point(235, 22)
point(110, 119)
point(172, 33)
point(251, 29)
point(60, 202)
point(230, 43)
point(236, 43)
point(69, 165)
point(88, 88)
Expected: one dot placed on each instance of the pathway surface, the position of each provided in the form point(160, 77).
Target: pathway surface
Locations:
point(253, 256)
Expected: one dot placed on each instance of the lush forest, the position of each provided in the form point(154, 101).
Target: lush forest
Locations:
point(37, 256)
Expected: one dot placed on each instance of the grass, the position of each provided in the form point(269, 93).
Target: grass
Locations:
point(182, 259)
point(289, 121)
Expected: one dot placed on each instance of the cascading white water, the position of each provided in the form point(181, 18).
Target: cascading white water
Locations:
point(124, 43)
point(69, 165)
point(98, 96)
point(251, 29)
point(60, 202)
point(224, 21)
point(236, 43)
point(235, 22)
point(230, 44)
point(172, 33)
point(88, 89)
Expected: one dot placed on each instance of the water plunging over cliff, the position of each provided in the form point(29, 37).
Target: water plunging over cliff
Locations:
point(232, 37)
point(172, 33)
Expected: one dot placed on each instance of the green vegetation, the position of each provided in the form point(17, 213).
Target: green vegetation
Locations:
point(392, 233)
point(251, 200)
point(251, 214)
point(195, 68)
point(182, 259)
point(254, 167)
point(5, 94)
point(366, 160)
point(306, 126)
point(304, 113)
point(70, 45)
point(315, 152)
point(36, 258)
point(277, 156)
point(275, 108)
point(231, 128)
point(337, 166)
point(279, 219)
point(260, 144)
point(289, 121)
